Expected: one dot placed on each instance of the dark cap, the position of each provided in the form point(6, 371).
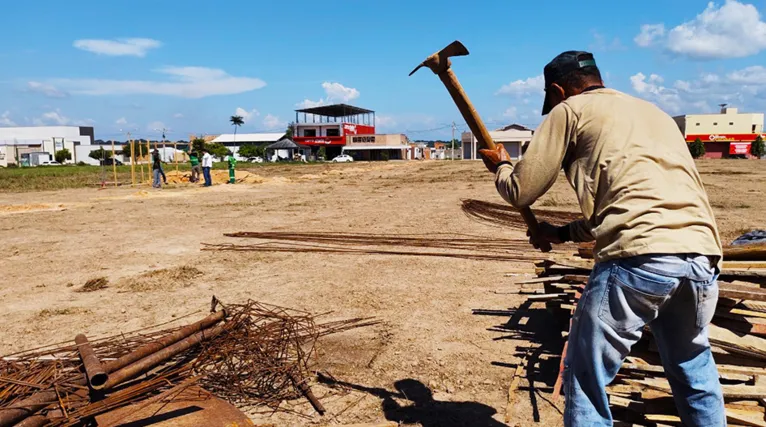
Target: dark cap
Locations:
point(562, 65)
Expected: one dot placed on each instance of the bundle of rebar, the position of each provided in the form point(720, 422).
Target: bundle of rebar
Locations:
point(463, 246)
point(506, 215)
point(249, 354)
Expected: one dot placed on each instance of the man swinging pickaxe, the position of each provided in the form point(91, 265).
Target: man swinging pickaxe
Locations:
point(440, 63)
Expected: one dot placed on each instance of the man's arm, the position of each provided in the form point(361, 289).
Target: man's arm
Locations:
point(534, 175)
point(576, 231)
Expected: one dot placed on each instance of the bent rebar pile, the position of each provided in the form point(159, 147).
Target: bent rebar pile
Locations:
point(498, 214)
point(259, 355)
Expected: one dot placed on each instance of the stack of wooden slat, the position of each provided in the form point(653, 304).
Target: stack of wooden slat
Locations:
point(641, 394)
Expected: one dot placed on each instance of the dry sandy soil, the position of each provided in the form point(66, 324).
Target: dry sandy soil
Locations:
point(53, 242)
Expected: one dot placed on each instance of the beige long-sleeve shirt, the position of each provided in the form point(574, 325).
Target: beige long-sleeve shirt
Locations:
point(637, 185)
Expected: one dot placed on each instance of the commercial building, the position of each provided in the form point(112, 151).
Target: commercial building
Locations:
point(377, 147)
point(329, 125)
point(725, 134)
point(514, 137)
point(233, 142)
point(16, 143)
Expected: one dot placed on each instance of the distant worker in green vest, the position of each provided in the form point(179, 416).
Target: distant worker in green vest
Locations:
point(196, 169)
point(232, 164)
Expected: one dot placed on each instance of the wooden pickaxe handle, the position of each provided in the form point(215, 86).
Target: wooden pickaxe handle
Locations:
point(482, 135)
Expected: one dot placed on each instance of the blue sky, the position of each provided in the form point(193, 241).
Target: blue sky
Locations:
point(187, 66)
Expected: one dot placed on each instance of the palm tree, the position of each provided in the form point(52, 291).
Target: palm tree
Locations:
point(236, 121)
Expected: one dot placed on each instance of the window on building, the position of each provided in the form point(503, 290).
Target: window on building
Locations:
point(309, 132)
point(731, 123)
point(715, 123)
point(698, 124)
point(333, 132)
point(753, 129)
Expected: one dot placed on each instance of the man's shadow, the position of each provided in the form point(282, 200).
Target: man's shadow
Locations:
point(424, 410)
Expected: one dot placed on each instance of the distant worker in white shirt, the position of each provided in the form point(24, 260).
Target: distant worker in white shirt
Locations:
point(207, 164)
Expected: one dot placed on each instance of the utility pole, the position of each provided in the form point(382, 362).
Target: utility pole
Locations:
point(452, 155)
point(114, 164)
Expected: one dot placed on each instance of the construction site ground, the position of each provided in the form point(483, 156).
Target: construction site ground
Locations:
point(147, 244)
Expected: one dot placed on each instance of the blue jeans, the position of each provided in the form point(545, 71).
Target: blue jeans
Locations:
point(156, 181)
point(676, 296)
point(208, 179)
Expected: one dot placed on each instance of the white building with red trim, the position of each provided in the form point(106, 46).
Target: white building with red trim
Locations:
point(725, 134)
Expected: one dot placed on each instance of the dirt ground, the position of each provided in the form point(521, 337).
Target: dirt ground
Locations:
point(430, 362)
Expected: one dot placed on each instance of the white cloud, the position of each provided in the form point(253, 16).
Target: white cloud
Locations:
point(307, 103)
point(271, 122)
point(601, 43)
point(651, 88)
point(5, 119)
point(178, 116)
point(246, 115)
point(46, 89)
point(156, 126)
point(384, 122)
point(531, 85)
point(745, 88)
point(185, 82)
point(732, 30)
point(51, 118)
point(335, 93)
point(649, 34)
point(121, 121)
point(511, 113)
point(120, 47)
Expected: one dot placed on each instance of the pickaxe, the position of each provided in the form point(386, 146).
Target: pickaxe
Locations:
point(440, 64)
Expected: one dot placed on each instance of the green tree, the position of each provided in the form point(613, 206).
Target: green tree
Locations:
point(63, 155)
point(758, 149)
point(236, 121)
point(289, 132)
point(100, 154)
point(138, 147)
point(697, 148)
point(198, 144)
point(250, 150)
point(322, 153)
point(218, 150)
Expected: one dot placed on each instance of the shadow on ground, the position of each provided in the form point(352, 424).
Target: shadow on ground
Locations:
point(421, 407)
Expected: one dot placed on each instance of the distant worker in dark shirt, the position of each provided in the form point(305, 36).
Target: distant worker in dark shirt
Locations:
point(156, 169)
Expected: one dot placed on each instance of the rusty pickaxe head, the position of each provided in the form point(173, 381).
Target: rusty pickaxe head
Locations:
point(439, 61)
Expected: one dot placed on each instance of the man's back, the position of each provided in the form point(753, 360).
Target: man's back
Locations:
point(635, 179)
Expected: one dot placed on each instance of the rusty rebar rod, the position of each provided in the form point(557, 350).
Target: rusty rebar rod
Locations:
point(94, 371)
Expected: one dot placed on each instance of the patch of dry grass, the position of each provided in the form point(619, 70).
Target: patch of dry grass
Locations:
point(166, 278)
point(48, 312)
point(93, 285)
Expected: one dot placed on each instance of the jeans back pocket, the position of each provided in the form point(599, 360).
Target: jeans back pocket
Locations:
point(632, 298)
point(707, 299)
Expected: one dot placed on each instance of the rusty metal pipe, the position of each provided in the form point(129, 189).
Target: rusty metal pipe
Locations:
point(169, 339)
point(38, 401)
point(94, 371)
point(147, 363)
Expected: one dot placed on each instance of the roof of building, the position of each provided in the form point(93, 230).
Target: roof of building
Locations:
point(513, 126)
point(335, 110)
point(284, 144)
point(248, 137)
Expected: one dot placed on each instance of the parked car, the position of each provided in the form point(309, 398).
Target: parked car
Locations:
point(256, 159)
point(108, 162)
point(50, 163)
point(343, 158)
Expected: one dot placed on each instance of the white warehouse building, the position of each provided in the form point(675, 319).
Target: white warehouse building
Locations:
point(18, 143)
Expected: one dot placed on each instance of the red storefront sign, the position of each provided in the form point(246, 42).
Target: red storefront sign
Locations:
point(346, 129)
point(725, 137)
point(739, 148)
point(354, 129)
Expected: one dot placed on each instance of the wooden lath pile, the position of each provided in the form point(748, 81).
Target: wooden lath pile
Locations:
point(640, 395)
